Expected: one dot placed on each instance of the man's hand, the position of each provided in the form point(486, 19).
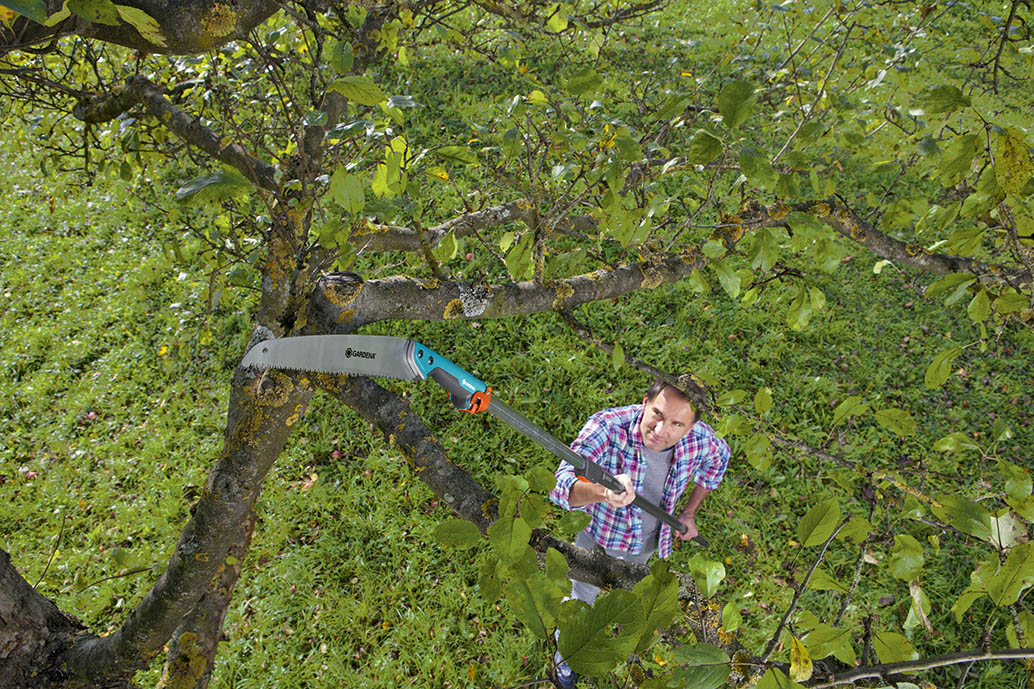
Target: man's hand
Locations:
point(691, 527)
point(586, 493)
point(620, 499)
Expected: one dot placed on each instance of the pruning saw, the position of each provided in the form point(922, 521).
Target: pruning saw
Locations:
point(382, 356)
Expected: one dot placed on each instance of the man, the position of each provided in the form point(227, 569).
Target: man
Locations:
point(654, 449)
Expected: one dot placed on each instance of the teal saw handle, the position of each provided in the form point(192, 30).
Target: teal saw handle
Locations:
point(467, 392)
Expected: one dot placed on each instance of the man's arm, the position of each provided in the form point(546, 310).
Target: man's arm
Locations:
point(688, 515)
point(583, 493)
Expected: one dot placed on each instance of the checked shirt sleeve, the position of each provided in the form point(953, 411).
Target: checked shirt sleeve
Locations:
point(716, 459)
point(590, 444)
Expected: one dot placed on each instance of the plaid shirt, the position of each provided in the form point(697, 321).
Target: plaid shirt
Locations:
point(611, 438)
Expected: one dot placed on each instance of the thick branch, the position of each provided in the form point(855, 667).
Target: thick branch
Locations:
point(31, 628)
point(343, 309)
point(191, 657)
point(883, 672)
point(188, 26)
point(263, 409)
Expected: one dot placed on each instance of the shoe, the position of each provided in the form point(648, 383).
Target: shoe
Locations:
point(562, 676)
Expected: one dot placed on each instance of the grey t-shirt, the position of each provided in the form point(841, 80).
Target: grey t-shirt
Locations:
point(658, 464)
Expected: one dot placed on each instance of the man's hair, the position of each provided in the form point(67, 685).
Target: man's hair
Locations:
point(658, 387)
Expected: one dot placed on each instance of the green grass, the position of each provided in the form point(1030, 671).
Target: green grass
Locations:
point(113, 398)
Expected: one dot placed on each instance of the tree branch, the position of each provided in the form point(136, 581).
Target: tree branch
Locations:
point(344, 310)
point(850, 225)
point(188, 128)
point(188, 27)
point(262, 411)
point(884, 671)
point(393, 238)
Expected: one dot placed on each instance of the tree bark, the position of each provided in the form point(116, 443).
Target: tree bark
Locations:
point(263, 409)
point(188, 27)
point(31, 628)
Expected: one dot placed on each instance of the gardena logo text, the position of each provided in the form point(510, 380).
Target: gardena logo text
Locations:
point(359, 354)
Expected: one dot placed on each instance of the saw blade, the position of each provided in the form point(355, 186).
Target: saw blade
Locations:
point(378, 356)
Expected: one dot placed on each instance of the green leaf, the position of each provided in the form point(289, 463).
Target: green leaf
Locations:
point(144, 23)
point(943, 99)
point(857, 529)
point(1015, 575)
point(556, 566)
point(757, 168)
point(697, 282)
point(708, 574)
point(341, 57)
point(1018, 484)
point(558, 14)
point(968, 517)
point(979, 307)
point(819, 522)
point(489, 581)
point(735, 102)
point(940, 368)
point(96, 11)
point(347, 191)
point(1010, 301)
point(957, 159)
point(584, 82)
point(541, 478)
point(896, 421)
point(952, 281)
point(763, 400)
point(821, 580)
point(214, 188)
point(359, 89)
point(731, 617)
point(825, 640)
point(729, 280)
point(617, 357)
point(573, 521)
point(706, 667)
point(965, 602)
point(595, 639)
point(703, 148)
point(447, 248)
point(659, 597)
point(764, 250)
point(509, 537)
point(800, 311)
point(955, 442)
point(852, 406)
point(774, 678)
point(892, 647)
point(906, 558)
point(534, 602)
point(458, 154)
point(1013, 166)
point(33, 9)
point(518, 258)
point(759, 451)
point(457, 533)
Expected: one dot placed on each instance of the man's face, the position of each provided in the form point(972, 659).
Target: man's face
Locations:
point(666, 419)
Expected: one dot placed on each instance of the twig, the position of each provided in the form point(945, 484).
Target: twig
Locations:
point(770, 649)
point(683, 382)
point(53, 553)
point(857, 573)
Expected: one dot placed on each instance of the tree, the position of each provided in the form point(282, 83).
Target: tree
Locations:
point(607, 183)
